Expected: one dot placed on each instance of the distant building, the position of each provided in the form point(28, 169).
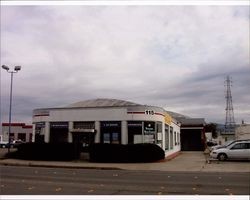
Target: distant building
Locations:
point(19, 131)
point(242, 132)
point(108, 121)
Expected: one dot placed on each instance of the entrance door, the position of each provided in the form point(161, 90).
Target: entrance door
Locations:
point(83, 140)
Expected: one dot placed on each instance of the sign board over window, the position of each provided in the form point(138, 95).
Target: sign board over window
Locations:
point(149, 127)
point(111, 124)
point(59, 125)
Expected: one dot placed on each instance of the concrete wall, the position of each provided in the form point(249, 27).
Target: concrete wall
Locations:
point(242, 132)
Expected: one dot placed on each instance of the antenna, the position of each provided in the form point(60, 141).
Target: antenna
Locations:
point(229, 123)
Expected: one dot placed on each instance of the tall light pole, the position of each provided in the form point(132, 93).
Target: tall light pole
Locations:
point(16, 69)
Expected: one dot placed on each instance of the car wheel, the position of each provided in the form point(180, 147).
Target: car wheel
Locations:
point(222, 156)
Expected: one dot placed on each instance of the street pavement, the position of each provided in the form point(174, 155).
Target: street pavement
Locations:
point(191, 161)
point(21, 180)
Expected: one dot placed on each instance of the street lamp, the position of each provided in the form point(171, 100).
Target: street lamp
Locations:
point(16, 69)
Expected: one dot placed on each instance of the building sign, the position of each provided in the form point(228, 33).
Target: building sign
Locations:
point(39, 127)
point(59, 125)
point(134, 124)
point(168, 119)
point(149, 112)
point(149, 127)
point(110, 124)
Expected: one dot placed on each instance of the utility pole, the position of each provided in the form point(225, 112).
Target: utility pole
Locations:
point(229, 123)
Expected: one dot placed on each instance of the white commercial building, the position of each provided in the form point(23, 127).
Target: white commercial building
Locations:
point(19, 131)
point(107, 121)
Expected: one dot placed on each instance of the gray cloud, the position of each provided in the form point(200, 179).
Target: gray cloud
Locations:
point(171, 56)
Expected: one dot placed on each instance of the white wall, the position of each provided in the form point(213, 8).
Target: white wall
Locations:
point(242, 132)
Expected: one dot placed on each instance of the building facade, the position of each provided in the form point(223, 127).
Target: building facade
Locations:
point(108, 121)
point(242, 132)
point(19, 131)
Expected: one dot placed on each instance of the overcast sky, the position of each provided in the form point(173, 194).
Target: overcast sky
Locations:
point(176, 57)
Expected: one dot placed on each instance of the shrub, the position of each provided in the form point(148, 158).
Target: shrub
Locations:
point(118, 153)
point(47, 151)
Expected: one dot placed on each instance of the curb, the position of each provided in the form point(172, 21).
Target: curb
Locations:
point(30, 164)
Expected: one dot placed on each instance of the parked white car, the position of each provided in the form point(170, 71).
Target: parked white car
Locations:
point(228, 143)
point(236, 151)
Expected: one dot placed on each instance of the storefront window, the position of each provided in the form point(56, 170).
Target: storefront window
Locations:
point(134, 132)
point(115, 138)
point(21, 136)
point(171, 137)
point(111, 132)
point(149, 132)
point(59, 132)
point(166, 137)
point(159, 133)
point(106, 138)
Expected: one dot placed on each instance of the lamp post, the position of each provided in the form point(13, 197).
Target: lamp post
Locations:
point(16, 69)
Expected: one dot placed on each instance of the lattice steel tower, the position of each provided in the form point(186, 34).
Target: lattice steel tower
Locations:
point(230, 123)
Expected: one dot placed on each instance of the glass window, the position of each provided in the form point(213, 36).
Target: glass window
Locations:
point(240, 146)
point(106, 138)
point(111, 132)
point(159, 127)
point(134, 132)
point(171, 138)
point(21, 136)
point(115, 138)
point(166, 137)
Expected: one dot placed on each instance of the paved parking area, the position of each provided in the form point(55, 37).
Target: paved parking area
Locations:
point(191, 161)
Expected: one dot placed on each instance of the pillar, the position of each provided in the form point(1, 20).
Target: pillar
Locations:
point(47, 132)
point(124, 134)
point(70, 136)
point(98, 132)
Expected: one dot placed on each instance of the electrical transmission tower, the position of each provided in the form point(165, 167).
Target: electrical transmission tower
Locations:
point(230, 123)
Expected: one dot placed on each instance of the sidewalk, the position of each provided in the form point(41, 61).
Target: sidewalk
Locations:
point(186, 162)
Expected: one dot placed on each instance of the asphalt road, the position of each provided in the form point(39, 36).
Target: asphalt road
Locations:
point(17, 180)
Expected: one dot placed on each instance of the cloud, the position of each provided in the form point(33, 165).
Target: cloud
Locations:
point(171, 56)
